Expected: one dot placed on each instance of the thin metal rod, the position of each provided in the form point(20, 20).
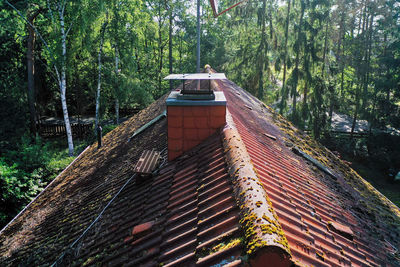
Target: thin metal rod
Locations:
point(226, 10)
point(198, 37)
point(93, 222)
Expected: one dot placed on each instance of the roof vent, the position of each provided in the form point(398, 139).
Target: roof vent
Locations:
point(147, 163)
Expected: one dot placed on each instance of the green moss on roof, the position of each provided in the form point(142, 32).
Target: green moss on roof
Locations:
point(372, 201)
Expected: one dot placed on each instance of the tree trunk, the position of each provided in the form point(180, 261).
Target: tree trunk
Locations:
point(283, 90)
point(180, 53)
point(170, 58)
point(160, 47)
point(325, 47)
point(386, 87)
point(261, 50)
point(372, 116)
point(296, 68)
point(355, 112)
point(198, 38)
point(31, 71)
point(305, 109)
point(342, 69)
point(116, 85)
point(102, 31)
point(63, 82)
point(368, 59)
point(270, 21)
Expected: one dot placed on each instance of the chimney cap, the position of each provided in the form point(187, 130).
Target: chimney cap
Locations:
point(196, 76)
point(174, 99)
point(199, 93)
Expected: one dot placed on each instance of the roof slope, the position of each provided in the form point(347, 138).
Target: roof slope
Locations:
point(243, 190)
point(185, 214)
point(69, 204)
point(329, 220)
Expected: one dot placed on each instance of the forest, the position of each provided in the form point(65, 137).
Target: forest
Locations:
point(308, 59)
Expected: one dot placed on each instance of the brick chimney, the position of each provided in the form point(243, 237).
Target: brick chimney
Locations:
point(191, 119)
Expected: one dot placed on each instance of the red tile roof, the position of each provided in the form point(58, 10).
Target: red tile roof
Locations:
point(325, 220)
point(240, 196)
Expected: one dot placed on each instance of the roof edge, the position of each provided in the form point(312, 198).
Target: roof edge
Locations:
point(9, 224)
point(257, 217)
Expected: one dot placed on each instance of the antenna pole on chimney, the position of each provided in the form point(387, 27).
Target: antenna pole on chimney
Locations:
point(198, 37)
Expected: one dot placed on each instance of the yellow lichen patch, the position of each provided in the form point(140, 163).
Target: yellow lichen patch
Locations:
point(88, 261)
point(268, 229)
point(252, 200)
point(320, 255)
point(107, 197)
point(230, 244)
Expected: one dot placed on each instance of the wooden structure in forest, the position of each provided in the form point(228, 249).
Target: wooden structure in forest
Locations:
point(57, 130)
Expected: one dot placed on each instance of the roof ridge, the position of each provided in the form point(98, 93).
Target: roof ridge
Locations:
point(263, 232)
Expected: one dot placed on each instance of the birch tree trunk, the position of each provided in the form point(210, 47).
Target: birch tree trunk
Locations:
point(102, 31)
point(63, 81)
point(116, 84)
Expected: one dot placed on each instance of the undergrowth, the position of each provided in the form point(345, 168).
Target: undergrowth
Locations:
point(27, 167)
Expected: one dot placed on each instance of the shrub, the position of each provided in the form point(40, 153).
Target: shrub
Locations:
point(17, 189)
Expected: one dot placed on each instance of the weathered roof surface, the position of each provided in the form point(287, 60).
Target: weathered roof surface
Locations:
point(74, 199)
point(328, 220)
point(184, 215)
point(240, 191)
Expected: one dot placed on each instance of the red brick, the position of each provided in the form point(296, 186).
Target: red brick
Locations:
point(175, 121)
point(190, 134)
point(188, 111)
point(175, 144)
point(201, 122)
point(189, 144)
point(214, 130)
point(201, 111)
point(219, 111)
point(174, 154)
point(217, 121)
point(188, 122)
point(204, 133)
point(175, 133)
point(174, 111)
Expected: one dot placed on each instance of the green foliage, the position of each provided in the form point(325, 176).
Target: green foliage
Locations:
point(26, 170)
point(108, 128)
point(30, 155)
point(17, 189)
